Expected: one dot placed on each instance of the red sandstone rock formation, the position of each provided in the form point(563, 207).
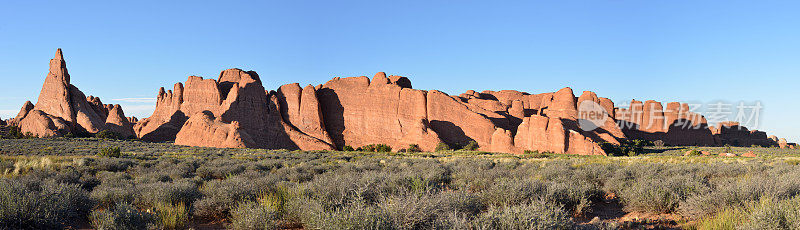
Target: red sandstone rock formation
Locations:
point(675, 124)
point(236, 104)
point(203, 129)
point(236, 111)
point(731, 133)
point(23, 112)
point(62, 108)
point(117, 122)
point(360, 112)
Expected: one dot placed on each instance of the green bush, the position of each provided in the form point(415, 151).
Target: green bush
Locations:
point(15, 132)
point(107, 134)
point(471, 146)
point(535, 154)
point(348, 148)
point(110, 152)
point(442, 147)
point(380, 148)
point(625, 148)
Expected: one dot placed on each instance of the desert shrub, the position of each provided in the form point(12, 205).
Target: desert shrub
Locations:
point(112, 164)
point(509, 192)
point(659, 194)
point(471, 146)
point(15, 132)
point(221, 168)
point(573, 196)
point(110, 152)
point(413, 148)
point(107, 134)
point(35, 204)
point(355, 215)
point(535, 154)
point(772, 214)
point(183, 192)
point(122, 216)
point(659, 143)
point(107, 195)
point(172, 215)
point(625, 148)
point(442, 147)
point(694, 152)
point(376, 148)
point(534, 215)
point(221, 196)
point(728, 193)
point(426, 211)
point(348, 148)
point(253, 215)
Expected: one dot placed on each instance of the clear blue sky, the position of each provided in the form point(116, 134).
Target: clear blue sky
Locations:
point(696, 51)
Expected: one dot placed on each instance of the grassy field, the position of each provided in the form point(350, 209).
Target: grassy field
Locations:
point(109, 184)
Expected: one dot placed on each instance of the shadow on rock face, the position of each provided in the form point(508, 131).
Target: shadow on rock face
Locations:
point(450, 133)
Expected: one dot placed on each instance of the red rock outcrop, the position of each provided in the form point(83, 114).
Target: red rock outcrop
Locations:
point(456, 123)
point(62, 108)
point(118, 123)
point(236, 104)
point(503, 142)
point(563, 105)
point(360, 112)
point(731, 133)
point(23, 112)
point(301, 109)
point(203, 129)
point(675, 124)
point(42, 124)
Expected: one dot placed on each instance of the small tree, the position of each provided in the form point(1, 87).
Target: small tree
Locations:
point(442, 147)
point(383, 148)
point(471, 146)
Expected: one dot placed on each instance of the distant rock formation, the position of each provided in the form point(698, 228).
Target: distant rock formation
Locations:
point(62, 108)
point(731, 133)
point(235, 111)
point(675, 124)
